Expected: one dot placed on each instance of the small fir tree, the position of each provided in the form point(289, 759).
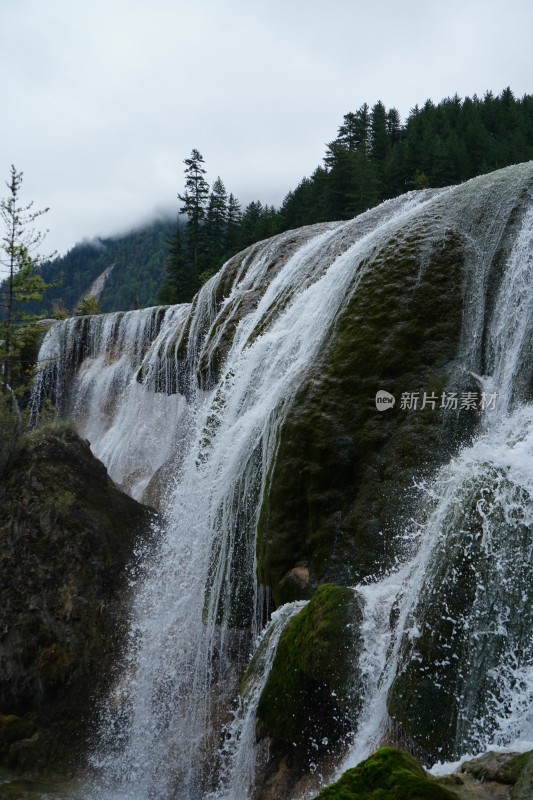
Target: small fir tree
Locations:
point(22, 283)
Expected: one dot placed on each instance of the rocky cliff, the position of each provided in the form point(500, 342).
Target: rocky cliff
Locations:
point(66, 535)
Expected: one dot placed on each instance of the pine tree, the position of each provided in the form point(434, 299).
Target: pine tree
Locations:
point(181, 281)
point(339, 161)
point(216, 224)
point(354, 133)
point(23, 283)
point(250, 230)
point(379, 139)
point(194, 205)
point(394, 127)
point(365, 186)
point(233, 225)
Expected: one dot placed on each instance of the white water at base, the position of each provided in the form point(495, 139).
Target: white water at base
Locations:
point(377, 639)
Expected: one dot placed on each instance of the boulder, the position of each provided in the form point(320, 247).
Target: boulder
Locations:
point(67, 534)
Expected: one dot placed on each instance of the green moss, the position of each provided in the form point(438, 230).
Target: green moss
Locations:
point(13, 728)
point(311, 696)
point(8, 719)
point(389, 774)
point(339, 488)
point(517, 765)
point(523, 771)
point(52, 427)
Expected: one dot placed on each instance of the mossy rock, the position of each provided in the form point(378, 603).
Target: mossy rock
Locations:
point(523, 788)
point(66, 535)
point(389, 774)
point(500, 767)
point(340, 485)
point(310, 699)
point(27, 787)
point(13, 728)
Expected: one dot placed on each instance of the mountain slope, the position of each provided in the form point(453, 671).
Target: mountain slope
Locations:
point(137, 259)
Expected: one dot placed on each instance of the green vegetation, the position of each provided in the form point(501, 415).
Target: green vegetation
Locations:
point(374, 157)
point(389, 774)
point(89, 305)
point(310, 698)
point(22, 284)
point(215, 230)
point(19, 331)
point(137, 260)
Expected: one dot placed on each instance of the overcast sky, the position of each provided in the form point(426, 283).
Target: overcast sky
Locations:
point(102, 100)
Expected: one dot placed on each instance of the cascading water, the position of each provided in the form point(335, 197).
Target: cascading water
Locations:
point(239, 752)
point(476, 525)
point(194, 398)
point(125, 419)
point(203, 576)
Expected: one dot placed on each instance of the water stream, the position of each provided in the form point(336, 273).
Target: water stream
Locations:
point(184, 405)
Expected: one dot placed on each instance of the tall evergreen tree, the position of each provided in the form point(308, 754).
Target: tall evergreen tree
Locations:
point(250, 223)
point(339, 161)
point(394, 126)
point(216, 223)
point(194, 201)
point(354, 133)
point(181, 279)
point(233, 224)
point(379, 138)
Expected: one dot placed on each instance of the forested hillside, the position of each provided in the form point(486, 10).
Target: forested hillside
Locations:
point(374, 157)
point(138, 267)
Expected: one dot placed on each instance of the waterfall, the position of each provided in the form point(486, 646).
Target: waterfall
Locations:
point(510, 339)
point(479, 508)
point(239, 751)
point(185, 404)
point(89, 367)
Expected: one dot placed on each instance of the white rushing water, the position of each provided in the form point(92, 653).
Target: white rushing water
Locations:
point(239, 753)
point(184, 406)
point(494, 479)
point(480, 503)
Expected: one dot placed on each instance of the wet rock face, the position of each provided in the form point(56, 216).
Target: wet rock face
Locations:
point(310, 699)
point(338, 489)
point(66, 535)
point(472, 614)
